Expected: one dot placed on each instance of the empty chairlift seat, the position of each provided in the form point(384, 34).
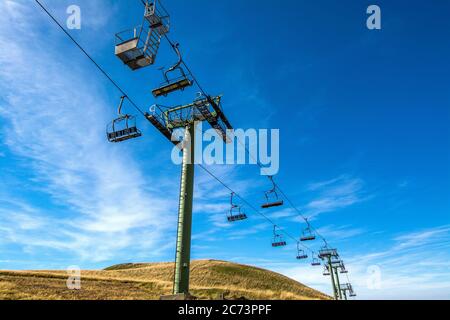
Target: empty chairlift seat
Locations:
point(342, 267)
point(301, 255)
point(235, 213)
point(137, 48)
point(315, 262)
point(279, 243)
point(237, 217)
point(173, 84)
point(272, 199)
point(272, 204)
point(278, 239)
point(326, 271)
point(307, 234)
point(123, 128)
point(157, 16)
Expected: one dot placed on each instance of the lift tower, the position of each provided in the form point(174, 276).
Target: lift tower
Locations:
point(167, 120)
point(328, 255)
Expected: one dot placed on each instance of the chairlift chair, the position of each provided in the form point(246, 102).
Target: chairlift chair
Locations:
point(175, 84)
point(123, 128)
point(326, 271)
point(336, 262)
point(272, 192)
point(307, 234)
point(315, 262)
point(278, 239)
point(352, 293)
point(235, 213)
point(138, 47)
point(301, 253)
point(157, 16)
point(342, 268)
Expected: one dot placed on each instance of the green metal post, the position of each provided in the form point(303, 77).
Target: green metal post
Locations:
point(338, 284)
point(332, 278)
point(183, 251)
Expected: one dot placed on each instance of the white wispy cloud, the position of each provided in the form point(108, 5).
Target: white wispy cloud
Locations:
point(243, 233)
point(54, 119)
point(335, 194)
point(339, 233)
point(423, 238)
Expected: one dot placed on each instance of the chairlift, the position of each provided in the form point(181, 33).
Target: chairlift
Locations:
point(326, 271)
point(157, 16)
point(138, 47)
point(342, 268)
point(352, 293)
point(123, 128)
point(272, 193)
point(315, 261)
point(307, 234)
point(235, 213)
point(301, 253)
point(175, 84)
point(278, 239)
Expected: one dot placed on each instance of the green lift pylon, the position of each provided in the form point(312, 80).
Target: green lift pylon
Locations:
point(183, 250)
point(166, 120)
point(334, 279)
point(338, 292)
point(327, 255)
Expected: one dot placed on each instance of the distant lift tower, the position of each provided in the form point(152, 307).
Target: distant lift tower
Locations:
point(329, 256)
point(166, 120)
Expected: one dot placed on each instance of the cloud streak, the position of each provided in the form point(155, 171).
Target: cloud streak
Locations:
point(335, 194)
point(54, 120)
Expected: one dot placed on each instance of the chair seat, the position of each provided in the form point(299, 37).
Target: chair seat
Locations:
point(308, 238)
point(279, 244)
point(238, 217)
point(171, 87)
point(272, 204)
point(123, 135)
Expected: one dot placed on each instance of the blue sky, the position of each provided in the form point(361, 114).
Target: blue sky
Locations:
point(363, 118)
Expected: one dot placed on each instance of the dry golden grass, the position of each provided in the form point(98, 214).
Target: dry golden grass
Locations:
point(209, 279)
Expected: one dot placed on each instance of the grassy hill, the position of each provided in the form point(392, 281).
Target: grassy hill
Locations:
point(209, 279)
